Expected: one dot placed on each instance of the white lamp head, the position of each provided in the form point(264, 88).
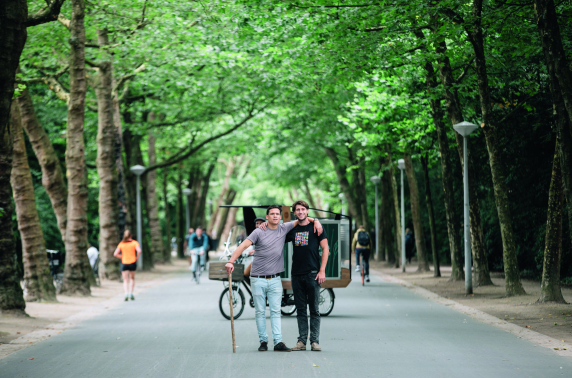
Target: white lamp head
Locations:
point(187, 191)
point(137, 170)
point(375, 179)
point(401, 163)
point(465, 128)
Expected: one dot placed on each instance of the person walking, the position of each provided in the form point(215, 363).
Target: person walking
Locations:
point(128, 251)
point(361, 244)
point(409, 245)
point(265, 274)
point(198, 246)
point(308, 274)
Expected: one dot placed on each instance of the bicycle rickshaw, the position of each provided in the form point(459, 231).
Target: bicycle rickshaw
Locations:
point(338, 269)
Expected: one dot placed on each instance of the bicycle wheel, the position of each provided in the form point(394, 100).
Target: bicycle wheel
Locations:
point(326, 301)
point(237, 303)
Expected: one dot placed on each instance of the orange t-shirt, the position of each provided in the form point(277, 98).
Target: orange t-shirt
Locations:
point(128, 251)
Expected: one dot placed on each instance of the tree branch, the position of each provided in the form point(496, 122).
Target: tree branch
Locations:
point(47, 14)
point(128, 77)
point(465, 70)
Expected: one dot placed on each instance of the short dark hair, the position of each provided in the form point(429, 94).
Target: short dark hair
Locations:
point(301, 203)
point(199, 227)
point(273, 207)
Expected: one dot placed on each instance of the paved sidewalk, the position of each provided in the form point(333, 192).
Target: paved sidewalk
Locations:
point(380, 330)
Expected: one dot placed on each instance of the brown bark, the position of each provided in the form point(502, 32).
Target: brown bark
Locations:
point(52, 176)
point(230, 196)
point(556, 60)
point(387, 217)
point(550, 286)
point(230, 223)
point(78, 274)
point(511, 269)
point(157, 249)
point(106, 168)
point(118, 151)
point(202, 191)
point(215, 217)
point(167, 255)
point(453, 230)
point(431, 213)
point(454, 112)
point(341, 170)
point(38, 282)
point(423, 264)
point(180, 217)
point(396, 218)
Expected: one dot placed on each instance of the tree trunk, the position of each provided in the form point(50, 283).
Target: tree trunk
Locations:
point(38, 282)
point(550, 287)
point(387, 217)
point(340, 170)
point(215, 217)
point(78, 274)
point(181, 229)
point(203, 189)
point(230, 222)
point(118, 151)
point(455, 114)
point(167, 256)
point(12, 39)
point(555, 59)
point(230, 196)
point(52, 176)
point(423, 264)
point(512, 273)
point(157, 249)
point(430, 212)
point(453, 230)
point(396, 218)
point(311, 201)
point(106, 168)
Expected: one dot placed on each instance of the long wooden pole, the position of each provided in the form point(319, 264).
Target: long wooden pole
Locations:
point(231, 312)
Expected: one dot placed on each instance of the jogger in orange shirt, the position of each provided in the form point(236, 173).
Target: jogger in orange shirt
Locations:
point(128, 251)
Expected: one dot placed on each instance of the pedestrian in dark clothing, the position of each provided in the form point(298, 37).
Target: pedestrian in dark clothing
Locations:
point(409, 245)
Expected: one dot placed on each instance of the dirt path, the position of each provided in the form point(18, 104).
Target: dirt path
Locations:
point(554, 320)
point(47, 318)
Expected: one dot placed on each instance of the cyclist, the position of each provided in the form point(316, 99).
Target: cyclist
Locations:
point(361, 244)
point(128, 251)
point(198, 245)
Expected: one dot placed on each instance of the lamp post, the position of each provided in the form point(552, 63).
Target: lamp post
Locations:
point(210, 203)
point(138, 170)
point(187, 192)
point(401, 165)
point(341, 196)
point(465, 129)
point(376, 180)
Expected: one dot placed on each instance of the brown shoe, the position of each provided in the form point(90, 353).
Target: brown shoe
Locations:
point(281, 347)
point(316, 347)
point(299, 346)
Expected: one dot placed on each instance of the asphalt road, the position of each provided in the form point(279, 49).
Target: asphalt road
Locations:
point(380, 330)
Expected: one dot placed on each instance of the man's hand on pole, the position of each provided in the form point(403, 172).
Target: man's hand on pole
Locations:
point(229, 267)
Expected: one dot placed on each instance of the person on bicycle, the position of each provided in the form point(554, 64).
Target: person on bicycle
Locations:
point(128, 251)
point(198, 245)
point(265, 274)
point(361, 244)
point(308, 273)
point(257, 222)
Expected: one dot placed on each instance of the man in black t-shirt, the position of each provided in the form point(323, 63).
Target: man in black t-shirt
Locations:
point(308, 273)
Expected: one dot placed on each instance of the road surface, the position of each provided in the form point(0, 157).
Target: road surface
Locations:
point(381, 330)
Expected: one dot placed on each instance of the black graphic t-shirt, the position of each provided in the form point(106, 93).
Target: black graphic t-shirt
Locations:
point(306, 243)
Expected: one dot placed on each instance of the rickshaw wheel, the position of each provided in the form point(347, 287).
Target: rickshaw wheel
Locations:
point(288, 310)
point(224, 303)
point(326, 302)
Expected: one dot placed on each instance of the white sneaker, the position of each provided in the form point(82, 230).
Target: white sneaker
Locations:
point(357, 268)
point(367, 278)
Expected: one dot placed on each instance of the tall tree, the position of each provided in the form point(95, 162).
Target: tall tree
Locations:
point(157, 248)
point(38, 281)
point(77, 273)
point(423, 264)
point(431, 214)
point(106, 168)
point(550, 286)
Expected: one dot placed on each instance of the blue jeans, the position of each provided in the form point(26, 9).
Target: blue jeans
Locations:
point(365, 257)
point(196, 258)
point(261, 290)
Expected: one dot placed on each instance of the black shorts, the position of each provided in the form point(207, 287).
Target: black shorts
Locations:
point(129, 267)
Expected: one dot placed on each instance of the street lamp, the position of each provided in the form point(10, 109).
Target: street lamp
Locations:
point(376, 180)
point(210, 203)
point(138, 170)
point(401, 165)
point(187, 192)
point(341, 196)
point(465, 129)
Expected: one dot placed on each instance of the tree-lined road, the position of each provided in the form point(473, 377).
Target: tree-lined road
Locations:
point(380, 330)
